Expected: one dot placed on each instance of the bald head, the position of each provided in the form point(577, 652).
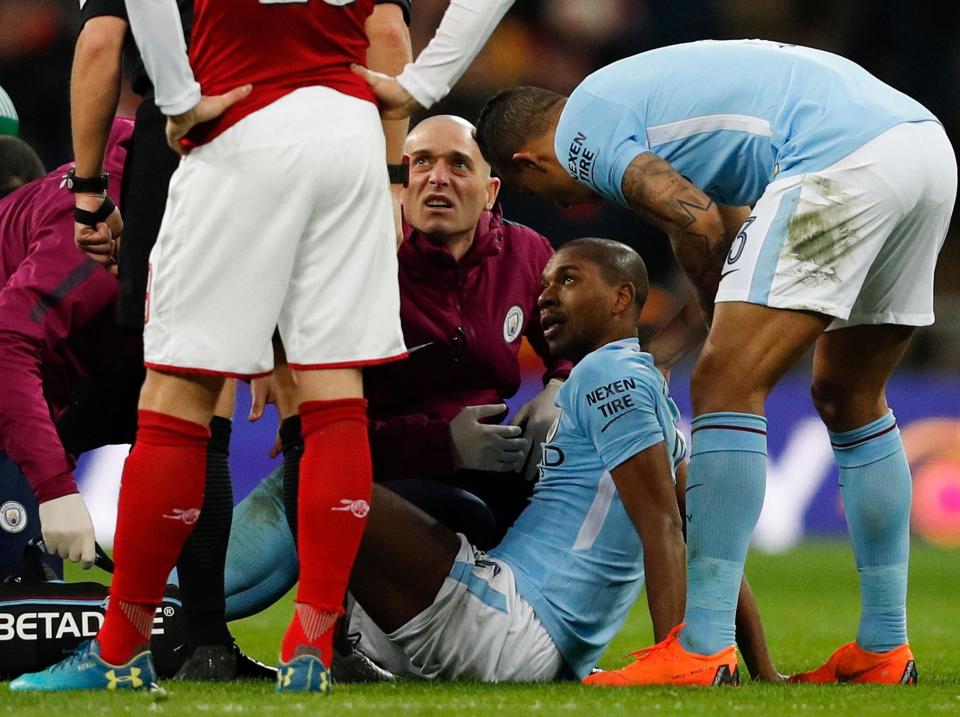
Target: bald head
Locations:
point(448, 131)
point(450, 183)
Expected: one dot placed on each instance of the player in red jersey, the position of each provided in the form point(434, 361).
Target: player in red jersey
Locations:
point(280, 206)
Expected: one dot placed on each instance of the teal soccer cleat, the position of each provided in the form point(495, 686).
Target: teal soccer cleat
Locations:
point(85, 670)
point(304, 673)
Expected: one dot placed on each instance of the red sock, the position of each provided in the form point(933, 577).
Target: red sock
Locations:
point(160, 497)
point(336, 480)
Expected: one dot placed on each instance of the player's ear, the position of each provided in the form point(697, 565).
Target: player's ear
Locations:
point(493, 189)
point(623, 301)
point(528, 160)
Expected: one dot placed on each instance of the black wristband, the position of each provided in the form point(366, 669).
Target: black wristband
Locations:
point(91, 219)
point(84, 185)
point(400, 173)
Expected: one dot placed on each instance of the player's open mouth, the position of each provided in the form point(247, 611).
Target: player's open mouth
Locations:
point(551, 324)
point(437, 201)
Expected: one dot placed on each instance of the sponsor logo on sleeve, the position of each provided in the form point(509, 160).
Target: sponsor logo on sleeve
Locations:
point(580, 159)
point(612, 398)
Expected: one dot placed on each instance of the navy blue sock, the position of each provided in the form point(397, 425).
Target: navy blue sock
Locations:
point(876, 487)
point(725, 488)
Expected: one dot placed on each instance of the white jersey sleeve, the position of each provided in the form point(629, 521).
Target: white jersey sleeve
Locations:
point(464, 30)
point(158, 31)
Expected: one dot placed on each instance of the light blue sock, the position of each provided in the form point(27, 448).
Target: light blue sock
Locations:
point(261, 555)
point(725, 488)
point(876, 487)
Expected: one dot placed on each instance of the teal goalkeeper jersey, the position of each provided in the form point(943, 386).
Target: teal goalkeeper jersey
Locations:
point(574, 551)
point(731, 116)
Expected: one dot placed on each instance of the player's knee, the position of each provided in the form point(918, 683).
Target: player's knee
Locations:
point(827, 399)
point(716, 383)
point(843, 407)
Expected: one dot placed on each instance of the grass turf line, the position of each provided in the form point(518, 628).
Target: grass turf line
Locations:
point(809, 602)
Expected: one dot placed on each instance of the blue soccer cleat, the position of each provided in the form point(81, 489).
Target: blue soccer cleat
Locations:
point(304, 673)
point(85, 670)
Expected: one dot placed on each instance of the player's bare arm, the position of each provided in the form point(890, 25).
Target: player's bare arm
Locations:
point(687, 329)
point(94, 93)
point(464, 29)
point(646, 489)
point(692, 221)
point(389, 51)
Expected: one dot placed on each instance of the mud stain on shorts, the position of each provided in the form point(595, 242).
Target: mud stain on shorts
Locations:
point(821, 231)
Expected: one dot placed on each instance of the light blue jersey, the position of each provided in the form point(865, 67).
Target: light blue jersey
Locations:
point(576, 555)
point(730, 116)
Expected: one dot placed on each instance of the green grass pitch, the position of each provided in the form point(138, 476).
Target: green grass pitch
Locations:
point(808, 598)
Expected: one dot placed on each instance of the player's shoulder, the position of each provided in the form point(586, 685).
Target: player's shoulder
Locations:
point(617, 367)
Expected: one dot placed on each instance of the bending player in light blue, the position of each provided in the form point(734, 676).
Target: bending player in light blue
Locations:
point(547, 601)
point(849, 186)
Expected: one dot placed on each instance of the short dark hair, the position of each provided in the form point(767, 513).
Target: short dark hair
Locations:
point(19, 164)
point(618, 263)
point(510, 119)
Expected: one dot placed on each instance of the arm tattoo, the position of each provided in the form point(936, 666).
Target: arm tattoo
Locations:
point(686, 206)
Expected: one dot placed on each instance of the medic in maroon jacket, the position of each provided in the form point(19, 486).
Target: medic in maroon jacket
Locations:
point(469, 282)
point(56, 321)
point(463, 323)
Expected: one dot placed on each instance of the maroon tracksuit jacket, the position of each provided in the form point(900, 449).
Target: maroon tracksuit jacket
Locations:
point(56, 320)
point(462, 323)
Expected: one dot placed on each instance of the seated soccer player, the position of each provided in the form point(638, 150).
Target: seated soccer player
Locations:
point(545, 603)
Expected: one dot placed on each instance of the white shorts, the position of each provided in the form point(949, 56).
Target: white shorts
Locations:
point(478, 628)
point(283, 220)
point(857, 241)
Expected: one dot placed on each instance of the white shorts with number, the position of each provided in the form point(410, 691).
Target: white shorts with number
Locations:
point(283, 220)
point(478, 628)
point(857, 241)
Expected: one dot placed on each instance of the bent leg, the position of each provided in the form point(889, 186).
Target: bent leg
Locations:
point(404, 558)
point(261, 555)
point(851, 369)
point(748, 350)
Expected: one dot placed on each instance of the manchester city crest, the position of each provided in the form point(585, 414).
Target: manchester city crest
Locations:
point(13, 516)
point(512, 324)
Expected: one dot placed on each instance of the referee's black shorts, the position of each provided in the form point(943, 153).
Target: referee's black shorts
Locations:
point(149, 165)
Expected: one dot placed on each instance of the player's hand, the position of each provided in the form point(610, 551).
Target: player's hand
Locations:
point(487, 446)
point(395, 102)
point(208, 108)
point(102, 242)
point(535, 418)
point(262, 392)
point(67, 529)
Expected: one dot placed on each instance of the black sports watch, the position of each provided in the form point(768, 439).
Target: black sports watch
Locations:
point(400, 173)
point(84, 185)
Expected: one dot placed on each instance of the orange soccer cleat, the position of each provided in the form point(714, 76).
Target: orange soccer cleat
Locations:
point(668, 663)
point(851, 663)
